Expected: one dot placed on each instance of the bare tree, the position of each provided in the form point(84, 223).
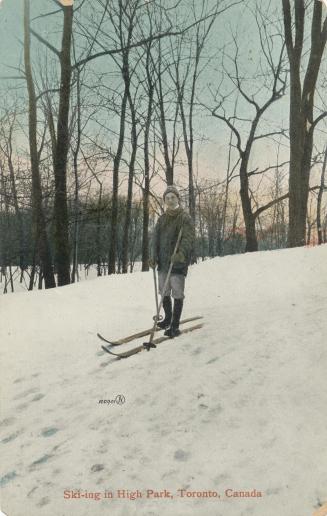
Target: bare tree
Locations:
point(40, 232)
point(62, 249)
point(123, 21)
point(276, 85)
point(169, 143)
point(302, 121)
point(131, 172)
point(60, 143)
point(191, 71)
point(150, 87)
point(74, 273)
point(7, 129)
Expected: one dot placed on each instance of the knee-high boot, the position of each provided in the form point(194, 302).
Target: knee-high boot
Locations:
point(167, 306)
point(174, 330)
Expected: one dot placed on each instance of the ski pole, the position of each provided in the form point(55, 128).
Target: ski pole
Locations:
point(159, 317)
point(150, 344)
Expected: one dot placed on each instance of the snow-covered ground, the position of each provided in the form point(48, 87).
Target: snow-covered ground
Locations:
point(22, 284)
point(239, 405)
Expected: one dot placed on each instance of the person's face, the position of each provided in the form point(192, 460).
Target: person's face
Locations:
point(171, 200)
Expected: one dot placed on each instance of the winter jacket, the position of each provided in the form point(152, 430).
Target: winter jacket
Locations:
point(165, 237)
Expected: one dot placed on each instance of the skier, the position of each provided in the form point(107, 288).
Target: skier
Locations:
point(163, 244)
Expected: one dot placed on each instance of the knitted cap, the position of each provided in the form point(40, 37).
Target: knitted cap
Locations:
point(171, 189)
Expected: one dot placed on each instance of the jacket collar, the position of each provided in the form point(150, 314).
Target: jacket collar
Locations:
point(175, 212)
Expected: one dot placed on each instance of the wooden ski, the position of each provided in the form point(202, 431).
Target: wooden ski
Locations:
point(158, 340)
point(142, 333)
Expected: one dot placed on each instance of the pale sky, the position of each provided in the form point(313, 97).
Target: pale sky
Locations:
point(211, 151)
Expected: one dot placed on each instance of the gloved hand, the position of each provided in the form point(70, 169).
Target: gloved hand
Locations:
point(178, 257)
point(152, 263)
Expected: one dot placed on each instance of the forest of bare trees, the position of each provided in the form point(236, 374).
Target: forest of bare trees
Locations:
point(111, 100)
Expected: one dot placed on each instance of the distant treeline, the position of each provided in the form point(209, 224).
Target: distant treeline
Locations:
point(90, 235)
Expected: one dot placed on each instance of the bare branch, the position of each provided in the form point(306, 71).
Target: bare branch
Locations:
point(55, 90)
point(143, 41)
point(279, 199)
point(271, 167)
point(45, 42)
point(273, 133)
point(237, 78)
point(231, 126)
point(317, 120)
point(46, 14)
point(13, 77)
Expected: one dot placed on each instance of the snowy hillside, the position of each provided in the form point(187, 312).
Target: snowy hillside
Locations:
point(239, 405)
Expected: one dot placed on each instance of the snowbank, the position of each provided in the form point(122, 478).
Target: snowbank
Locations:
point(211, 420)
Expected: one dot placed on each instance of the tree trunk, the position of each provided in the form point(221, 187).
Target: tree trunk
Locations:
point(301, 111)
point(201, 228)
point(33, 269)
point(298, 183)
point(39, 224)
point(146, 189)
point(76, 192)
point(319, 200)
point(169, 170)
point(22, 245)
point(130, 188)
point(249, 218)
point(62, 250)
point(98, 232)
point(114, 206)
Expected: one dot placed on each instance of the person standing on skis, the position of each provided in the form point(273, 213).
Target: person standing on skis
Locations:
point(163, 244)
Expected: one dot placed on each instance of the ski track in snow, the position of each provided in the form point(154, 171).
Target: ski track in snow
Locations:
point(239, 404)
